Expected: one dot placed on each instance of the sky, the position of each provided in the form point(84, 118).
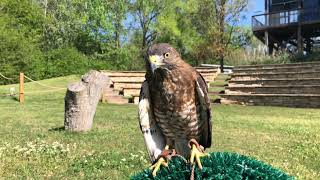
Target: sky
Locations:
point(254, 7)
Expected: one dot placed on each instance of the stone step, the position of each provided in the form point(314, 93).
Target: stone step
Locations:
point(125, 73)
point(289, 81)
point(281, 89)
point(279, 69)
point(135, 99)
point(284, 75)
point(209, 77)
point(120, 86)
point(135, 83)
point(117, 99)
point(206, 70)
point(278, 65)
point(287, 100)
point(122, 79)
point(110, 92)
point(131, 92)
point(127, 79)
point(142, 73)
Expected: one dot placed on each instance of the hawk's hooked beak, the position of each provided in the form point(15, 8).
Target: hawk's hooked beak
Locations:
point(156, 61)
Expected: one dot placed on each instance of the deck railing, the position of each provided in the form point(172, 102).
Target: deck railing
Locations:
point(284, 18)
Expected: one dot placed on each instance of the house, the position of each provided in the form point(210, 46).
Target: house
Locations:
point(294, 22)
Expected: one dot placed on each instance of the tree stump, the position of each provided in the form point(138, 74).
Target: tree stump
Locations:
point(81, 101)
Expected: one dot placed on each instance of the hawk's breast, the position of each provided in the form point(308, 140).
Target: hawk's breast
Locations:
point(175, 106)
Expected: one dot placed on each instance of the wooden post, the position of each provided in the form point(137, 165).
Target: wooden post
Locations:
point(21, 89)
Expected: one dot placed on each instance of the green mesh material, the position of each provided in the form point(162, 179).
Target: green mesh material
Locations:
point(218, 165)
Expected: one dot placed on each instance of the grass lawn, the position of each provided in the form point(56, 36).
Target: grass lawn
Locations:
point(33, 144)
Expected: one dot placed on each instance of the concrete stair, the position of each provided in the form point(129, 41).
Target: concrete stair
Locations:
point(217, 87)
point(278, 89)
point(275, 75)
point(302, 64)
point(128, 83)
point(288, 100)
point(111, 96)
point(135, 92)
point(315, 67)
point(275, 82)
point(291, 85)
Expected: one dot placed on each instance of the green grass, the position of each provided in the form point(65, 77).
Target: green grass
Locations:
point(33, 144)
point(216, 89)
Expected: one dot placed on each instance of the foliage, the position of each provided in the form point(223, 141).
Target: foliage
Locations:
point(65, 61)
point(146, 14)
point(63, 21)
point(248, 57)
point(19, 34)
point(178, 27)
point(223, 24)
point(18, 54)
point(114, 34)
point(253, 56)
point(286, 138)
point(217, 165)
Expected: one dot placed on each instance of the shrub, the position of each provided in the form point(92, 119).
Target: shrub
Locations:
point(65, 61)
point(18, 54)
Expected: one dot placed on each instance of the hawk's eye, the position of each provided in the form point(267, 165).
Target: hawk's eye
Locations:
point(166, 55)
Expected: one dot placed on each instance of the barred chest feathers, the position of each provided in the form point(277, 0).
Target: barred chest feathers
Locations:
point(175, 109)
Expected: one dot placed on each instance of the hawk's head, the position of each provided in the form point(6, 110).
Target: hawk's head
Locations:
point(162, 56)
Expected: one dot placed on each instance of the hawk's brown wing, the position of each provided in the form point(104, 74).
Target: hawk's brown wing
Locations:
point(205, 111)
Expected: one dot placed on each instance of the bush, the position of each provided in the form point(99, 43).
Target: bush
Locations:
point(125, 58)
point(242, 57)
point(19, 54)
point(65, 61)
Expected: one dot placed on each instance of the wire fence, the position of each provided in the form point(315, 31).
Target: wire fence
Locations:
point(49, 89)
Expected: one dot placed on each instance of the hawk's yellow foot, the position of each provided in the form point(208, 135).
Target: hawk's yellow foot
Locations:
point(162, 160)
point(157, 165)
point(196, 153)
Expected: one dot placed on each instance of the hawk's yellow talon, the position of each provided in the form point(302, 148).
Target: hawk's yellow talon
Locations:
point(157, 165)
point(160, 162)
point(195, 156)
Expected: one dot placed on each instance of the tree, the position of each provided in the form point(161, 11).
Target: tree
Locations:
point(64, 20)
point(227, 14)
point(20, 33)
point(202, 30)
point(95, 33)
point(146, 13)
point(216, 23)
point(119, 11)
point(175, 26)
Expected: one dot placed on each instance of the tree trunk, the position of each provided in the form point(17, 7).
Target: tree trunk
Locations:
point(117, 33)
point(82, 99)
point(221, 64)
point(144, 40)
